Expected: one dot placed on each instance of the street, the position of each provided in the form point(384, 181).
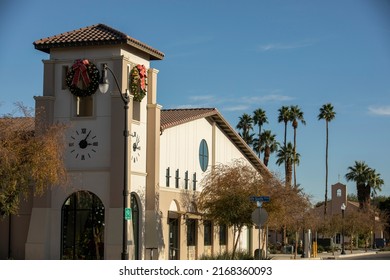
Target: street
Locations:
point(378, 256)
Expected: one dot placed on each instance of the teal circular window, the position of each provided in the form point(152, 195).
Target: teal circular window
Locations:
point(203, 155)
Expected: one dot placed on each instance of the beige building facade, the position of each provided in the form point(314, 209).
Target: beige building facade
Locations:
point(169, 153)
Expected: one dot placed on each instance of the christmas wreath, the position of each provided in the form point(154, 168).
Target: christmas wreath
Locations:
point(138, 82)
point(82, 78)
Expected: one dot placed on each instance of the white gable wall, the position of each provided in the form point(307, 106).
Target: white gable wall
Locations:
point(226, 151)
point(180, 150)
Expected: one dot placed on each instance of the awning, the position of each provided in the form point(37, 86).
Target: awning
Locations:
point(193, 216)
point(175, 214)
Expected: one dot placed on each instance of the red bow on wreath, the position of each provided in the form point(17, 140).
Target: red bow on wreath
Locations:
point(142, 74)
point(80, 68)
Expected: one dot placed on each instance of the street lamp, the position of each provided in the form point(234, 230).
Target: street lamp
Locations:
point(103, 86)
point(342, 231)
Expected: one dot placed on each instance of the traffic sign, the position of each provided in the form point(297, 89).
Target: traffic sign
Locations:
point(259, 216)
point(127, 213)
point(254, 198)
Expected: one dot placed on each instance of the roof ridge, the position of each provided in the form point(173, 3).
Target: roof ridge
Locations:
point(190, 109)
point(94, 35)
point(112, 29)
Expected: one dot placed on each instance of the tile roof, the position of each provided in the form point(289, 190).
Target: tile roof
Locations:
point(174, 117)
point(94, 35)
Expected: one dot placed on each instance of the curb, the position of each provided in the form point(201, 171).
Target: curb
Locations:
point(323, 257)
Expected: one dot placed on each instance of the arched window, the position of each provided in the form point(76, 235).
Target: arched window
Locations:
point(82, 227)
point(136, 226)
point(338, 193)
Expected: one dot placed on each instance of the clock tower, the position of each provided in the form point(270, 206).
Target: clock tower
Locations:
point(88, 209)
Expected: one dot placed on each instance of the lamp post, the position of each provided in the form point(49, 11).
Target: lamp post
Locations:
point(373, 233)
point(342, 231)
point(103, 86)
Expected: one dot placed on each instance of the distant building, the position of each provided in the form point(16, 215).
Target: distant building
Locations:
point(338, 198)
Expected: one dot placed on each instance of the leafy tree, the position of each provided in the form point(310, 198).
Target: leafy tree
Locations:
point(225, 195)
point(30, 162)
point(359, 223)
point(259, 118)
point(289, 209)
point(352, 197)
point(327, 113)
point(245, 125)
point(384, 207)
point(296, 115)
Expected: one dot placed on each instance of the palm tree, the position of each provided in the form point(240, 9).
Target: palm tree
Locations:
point(286, 155)
point(284, 116)
point(268, 144)
point(365, 178)
point(375, 182)
point(326, 113)
point(259, 118)
point(246, 125)
point(296, 115)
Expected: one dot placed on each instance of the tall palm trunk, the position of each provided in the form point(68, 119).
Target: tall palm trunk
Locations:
point(288, 174)
point(295, 124)
point(259, 141)
point(363, 194)
point(267, 153)
point(326, 170)
point(285, 145)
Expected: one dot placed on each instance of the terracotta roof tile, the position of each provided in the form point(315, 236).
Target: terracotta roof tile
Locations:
point(94, 35)
point(173, 117)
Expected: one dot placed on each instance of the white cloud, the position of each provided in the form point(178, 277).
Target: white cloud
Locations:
point(269, 98)
point(284, 46)
point(379, 110)
point(202, 98)
point(235, 108)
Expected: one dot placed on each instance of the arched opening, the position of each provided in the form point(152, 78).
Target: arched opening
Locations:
point(136, 224)
point(82, 235)
point(174, 231)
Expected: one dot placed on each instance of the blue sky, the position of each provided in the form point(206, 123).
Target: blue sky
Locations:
point(238, 56)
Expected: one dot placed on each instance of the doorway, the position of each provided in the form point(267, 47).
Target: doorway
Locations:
point(82, 235)
point(174, 239)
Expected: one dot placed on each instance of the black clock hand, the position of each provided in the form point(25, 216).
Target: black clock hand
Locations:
point(86, 137)
point(136, 147)
point(84, 143)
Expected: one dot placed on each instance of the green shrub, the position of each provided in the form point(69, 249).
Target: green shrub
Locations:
point(240, 255)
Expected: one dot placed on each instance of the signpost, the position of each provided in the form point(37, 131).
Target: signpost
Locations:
point(259, 216)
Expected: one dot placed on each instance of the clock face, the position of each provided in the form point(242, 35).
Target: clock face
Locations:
point(83, 144)
point(136, 148)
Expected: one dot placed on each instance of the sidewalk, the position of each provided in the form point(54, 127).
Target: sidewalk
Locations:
point(323, 256)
